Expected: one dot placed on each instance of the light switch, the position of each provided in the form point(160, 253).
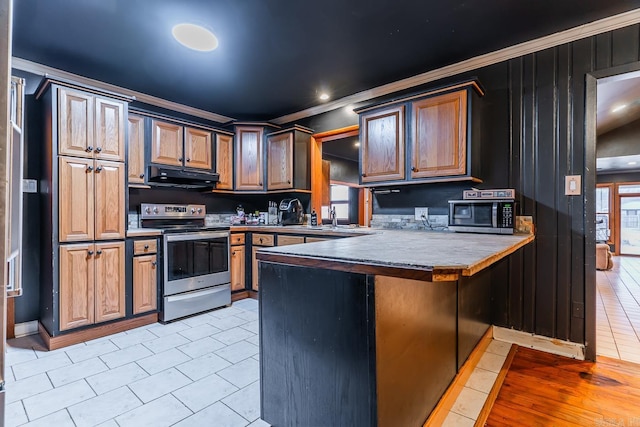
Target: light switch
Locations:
point(573, 185)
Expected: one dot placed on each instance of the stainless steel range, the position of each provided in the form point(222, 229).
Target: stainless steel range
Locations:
point(196, 274)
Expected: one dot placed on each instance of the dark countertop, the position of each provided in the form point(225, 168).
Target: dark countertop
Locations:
point(434, 256)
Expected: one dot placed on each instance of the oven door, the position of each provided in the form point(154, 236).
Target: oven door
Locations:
point(195, 260)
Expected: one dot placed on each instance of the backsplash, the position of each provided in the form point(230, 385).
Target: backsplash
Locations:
point(408, 222)
point(209, 220)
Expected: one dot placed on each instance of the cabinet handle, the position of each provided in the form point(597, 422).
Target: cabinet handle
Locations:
point(89, 168)
point(99, 252)
point(179, 159)
point(153, 263)
point(364, 174)
point(233, 253)
point(261, 240)
point(98, 149)
point(288, 181)
point(146, 247)
point(89, 149)
point(141, 175)
point(414, 169)
point(89, 253)
point(188, 159)
point(99, 169)
point(260, 183)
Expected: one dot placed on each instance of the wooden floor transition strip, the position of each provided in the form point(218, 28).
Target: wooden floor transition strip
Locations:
point(450, 396)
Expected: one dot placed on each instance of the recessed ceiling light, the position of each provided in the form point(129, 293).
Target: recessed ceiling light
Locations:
point(632, 163)
point(356, 144)
point(195, 37)
point(618, 108)
point(323, 96)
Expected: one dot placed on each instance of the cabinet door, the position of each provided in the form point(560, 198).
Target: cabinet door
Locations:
point(109, 281)
point(248, 158)
point(109, 130)
point(237, 267)
point(382, 150)
point(254, 269)
point(110, 206)
point(440, 136)
point(280, 161)
point(197, 148)
point(136, 150)
point(290, 240)
point(75, 123)
point(76, 287)
point(75, 199)
point(224, 162)
point(145, 283)
point(166, 143)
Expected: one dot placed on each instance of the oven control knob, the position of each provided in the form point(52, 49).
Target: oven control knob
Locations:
point(148, 209)
point(155, 210)
point(199, 210)
point(193, 211)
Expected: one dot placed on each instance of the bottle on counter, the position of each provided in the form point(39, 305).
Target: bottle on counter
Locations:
point(314, 218)
point(240, 214)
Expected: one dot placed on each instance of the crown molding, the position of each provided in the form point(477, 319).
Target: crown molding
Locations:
point(45, 70)
point(583, 31)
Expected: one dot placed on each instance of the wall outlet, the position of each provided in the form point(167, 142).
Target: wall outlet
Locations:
point(421, 213)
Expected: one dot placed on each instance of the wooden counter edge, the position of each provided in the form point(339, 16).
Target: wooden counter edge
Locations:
point(492, 259)
point(425, 274)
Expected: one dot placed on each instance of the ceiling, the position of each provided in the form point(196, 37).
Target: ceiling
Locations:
point(276, 56)
point(345, 148)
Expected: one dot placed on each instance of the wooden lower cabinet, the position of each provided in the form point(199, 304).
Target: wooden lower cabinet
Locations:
point(145, 283)
point(290, 240)
point(237, 268)
point(92, 283)
point(254, 269)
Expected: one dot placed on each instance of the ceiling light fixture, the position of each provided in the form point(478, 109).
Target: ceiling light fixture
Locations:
point(323, 96)
point(618, 108)
point(356, 144)
point(195, 37)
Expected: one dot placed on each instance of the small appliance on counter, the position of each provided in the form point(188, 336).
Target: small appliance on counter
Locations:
point(483, 211)
point(290, 212)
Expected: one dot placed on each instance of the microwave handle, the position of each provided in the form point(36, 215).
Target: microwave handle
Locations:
point(494, 215)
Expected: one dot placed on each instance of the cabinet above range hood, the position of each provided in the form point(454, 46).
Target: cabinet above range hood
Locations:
point(170, 177)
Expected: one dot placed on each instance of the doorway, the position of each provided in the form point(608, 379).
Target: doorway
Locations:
point(629, 214)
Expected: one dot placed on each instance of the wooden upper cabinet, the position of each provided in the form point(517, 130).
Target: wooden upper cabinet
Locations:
point(197, 148)
point(109, 129)
point(224, 161)
point(439, 136)
point(145, 283)
point(166, 143)
point(280, 161)
point(75, 199)
point(136, 149)
point(248, 170)
point(109, 281)
point(383, 147)
point(109, 200)
point(76, 287)
point(75, 123)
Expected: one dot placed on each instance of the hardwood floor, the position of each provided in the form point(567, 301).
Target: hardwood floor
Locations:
point(618, 310)
point(543, 389)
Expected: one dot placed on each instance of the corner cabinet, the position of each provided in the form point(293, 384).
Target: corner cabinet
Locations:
point(443, 138)
point(288, 159)
point(83, 221)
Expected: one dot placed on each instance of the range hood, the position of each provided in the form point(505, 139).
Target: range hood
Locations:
point(182, 178)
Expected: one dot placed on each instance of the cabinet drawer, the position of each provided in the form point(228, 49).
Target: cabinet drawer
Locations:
point(145, 247)
point(316, 239)
point(290, 240)
point(263, 240)
point(237, 239)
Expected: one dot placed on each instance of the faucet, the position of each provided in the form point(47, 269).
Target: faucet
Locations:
point(334, 218)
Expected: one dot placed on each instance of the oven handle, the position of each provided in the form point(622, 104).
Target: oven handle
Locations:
point(180, 237)
point(190, 295)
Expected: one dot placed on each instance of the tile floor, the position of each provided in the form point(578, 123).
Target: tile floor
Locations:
point(199, 371)
point(618, 310)
point(196, 372)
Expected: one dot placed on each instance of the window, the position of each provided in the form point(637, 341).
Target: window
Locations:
point(340, 201)
point(603, 211)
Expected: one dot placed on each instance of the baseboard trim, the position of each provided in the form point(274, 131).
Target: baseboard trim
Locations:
point(54, 343)
point(539, 342)
point(237, 296)
point(25, 328)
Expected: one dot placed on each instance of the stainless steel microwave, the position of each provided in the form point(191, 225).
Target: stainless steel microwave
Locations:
point(482, 216)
